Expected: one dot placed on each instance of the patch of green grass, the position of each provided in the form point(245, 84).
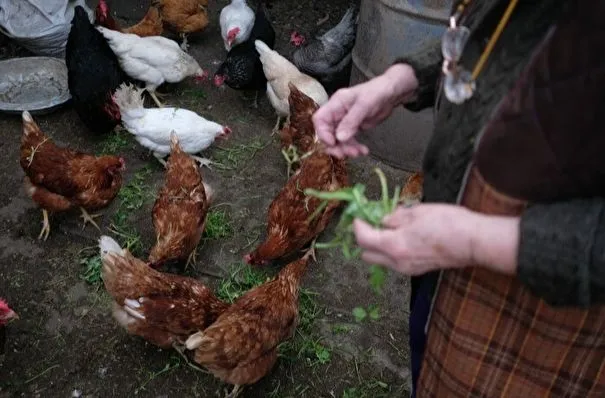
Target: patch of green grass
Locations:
point(340, 329)
point(231, 158)
point(115, 142)
point(241, 279)
point(306, 344)
point(131, 198)
point(173, 363)
point(92, 273)
point(367, 389)
point(196, 93)
point(218, 225)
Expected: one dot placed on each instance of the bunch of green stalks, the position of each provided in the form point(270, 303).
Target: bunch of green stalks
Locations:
point(358, 206)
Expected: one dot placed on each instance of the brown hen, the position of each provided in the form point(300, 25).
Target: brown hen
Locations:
point(150, 25)
point(298, 134)
point(241, 346)
point(290, 226)
point(184, 16)
point(299, 130)
point(179, 212)
point(412, 190)
point(60, 178)
point(162, 308)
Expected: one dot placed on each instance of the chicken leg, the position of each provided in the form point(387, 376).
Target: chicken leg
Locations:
point(184, 45)
point(237, 390)
point(155, 99)
point(88, 218)
point(276, 128)
point(45, 226)
point(181, 350)
point(160, 158)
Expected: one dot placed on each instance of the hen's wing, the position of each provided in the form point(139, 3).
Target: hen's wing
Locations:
point(148, 299)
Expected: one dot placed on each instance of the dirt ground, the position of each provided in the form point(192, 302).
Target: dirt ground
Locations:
point(66, 343)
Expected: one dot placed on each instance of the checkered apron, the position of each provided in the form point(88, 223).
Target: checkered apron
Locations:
point(488, 336)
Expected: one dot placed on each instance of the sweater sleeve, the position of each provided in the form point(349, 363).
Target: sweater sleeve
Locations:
point(562, 252)
point(426, 63)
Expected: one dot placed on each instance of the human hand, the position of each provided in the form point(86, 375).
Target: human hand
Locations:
point(361, 107)
point(428, 237)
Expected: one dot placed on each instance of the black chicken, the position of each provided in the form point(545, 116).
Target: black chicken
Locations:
point(242, 69)
point(328, 57)
point(94, 73)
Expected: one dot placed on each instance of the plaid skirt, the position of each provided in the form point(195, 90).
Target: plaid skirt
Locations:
point(488, 336)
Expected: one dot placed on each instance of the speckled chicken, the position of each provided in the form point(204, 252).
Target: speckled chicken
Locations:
point(58, 179)
point(240, 348)
point(294, 219)
point(299, 130)
point(179, 212)
point(162, 308)
point(328, 55)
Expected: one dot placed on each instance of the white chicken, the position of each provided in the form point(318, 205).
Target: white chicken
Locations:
point(152, 60)
point(152, 126)
point(279, 72)
point(236, 22)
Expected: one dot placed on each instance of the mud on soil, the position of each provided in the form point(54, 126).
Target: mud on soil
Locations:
point(66, 343)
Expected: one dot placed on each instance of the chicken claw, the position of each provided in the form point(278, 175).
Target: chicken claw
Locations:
point(311, 251)
point(88, 218)
point(237, 390)
point(276, 128)
point(181, 350)
point(192, 259)
point(45, 226)
point(203, 161)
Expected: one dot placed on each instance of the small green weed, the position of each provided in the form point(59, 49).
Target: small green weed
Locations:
point(218, 225)
point(131, 197)
point(115, 142)
point(92, 273)
point(241, 279)
point(231, 158)
point(370, 211)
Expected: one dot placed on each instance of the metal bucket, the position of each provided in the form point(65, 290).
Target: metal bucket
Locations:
point(387, 30)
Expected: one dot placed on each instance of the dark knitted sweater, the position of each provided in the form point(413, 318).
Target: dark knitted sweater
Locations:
point(532, 127)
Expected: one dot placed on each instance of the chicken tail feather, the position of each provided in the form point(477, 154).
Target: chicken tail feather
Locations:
point(128, 97)
point(108, 245)
point(194, 341)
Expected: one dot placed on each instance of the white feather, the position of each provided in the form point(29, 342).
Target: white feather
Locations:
point(236, 15)
point(108, 245)
point(152, 126)
point(279, 72)
point(153, 60)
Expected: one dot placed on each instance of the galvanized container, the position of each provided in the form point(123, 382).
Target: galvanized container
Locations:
point(387, 30)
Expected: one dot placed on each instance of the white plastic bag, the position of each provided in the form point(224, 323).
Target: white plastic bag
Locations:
point(41, 26)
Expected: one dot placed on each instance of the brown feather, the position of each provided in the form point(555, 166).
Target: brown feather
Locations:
point(288, 227)
point(59, 176)
point(180, 211)
point(173, 306)
point(241, 346)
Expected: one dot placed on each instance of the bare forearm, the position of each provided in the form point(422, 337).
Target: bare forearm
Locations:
point(495, 242)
